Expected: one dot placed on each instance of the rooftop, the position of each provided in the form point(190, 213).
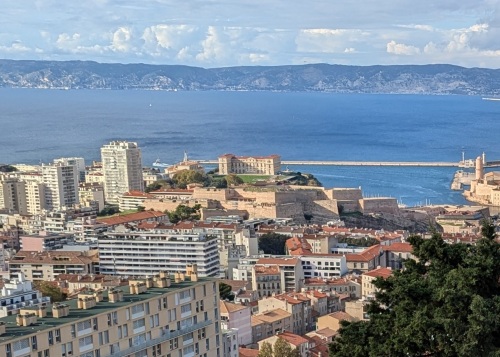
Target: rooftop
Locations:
point(13, 331)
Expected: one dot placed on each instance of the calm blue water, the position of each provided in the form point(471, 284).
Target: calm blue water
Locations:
point(43, 124)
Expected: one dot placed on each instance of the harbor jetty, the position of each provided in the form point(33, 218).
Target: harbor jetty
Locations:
point(370, 163)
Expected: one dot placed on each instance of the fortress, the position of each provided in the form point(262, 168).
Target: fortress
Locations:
point(273, 201)
point(485, 188)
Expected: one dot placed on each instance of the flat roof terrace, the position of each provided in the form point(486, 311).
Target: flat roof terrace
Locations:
point(13, 331)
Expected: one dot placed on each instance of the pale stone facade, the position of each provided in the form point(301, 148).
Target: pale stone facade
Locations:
point(258, 165)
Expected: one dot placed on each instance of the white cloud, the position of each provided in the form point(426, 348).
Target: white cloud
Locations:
point(212, 47)
point(402, 49)
point(15, 48)
point(168, 36)
point(329, 40)
point(122, 40)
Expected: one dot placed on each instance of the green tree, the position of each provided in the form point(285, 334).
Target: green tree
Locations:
point(273, 243)
point(445, 303)
point(7, 168)
point(108, 211)
point(50, 290)
point(157, 185)
point(184, 178)
point(282, 348)
point(266, 350)
point(225, 292)
point(233, 180)
point(183, 212)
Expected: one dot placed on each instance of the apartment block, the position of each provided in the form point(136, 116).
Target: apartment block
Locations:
point(122, 169)
point(147, 252)
point(12, 195)
point(78, 162)
point(151, 317)
point(298, 305)
point(61, 183)
point(44, 241)
point(45, 266)
point(258, 165)
point(269, 323)
point(17, 294)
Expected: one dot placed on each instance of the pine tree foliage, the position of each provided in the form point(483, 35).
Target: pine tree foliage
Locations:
point(444, 303)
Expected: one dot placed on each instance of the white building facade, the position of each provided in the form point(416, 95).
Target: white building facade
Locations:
point(61, 185)
point(122, 169)
point(133, 253)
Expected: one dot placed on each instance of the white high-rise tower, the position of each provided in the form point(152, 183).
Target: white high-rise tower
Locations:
point(122, 168)
point(61, 185)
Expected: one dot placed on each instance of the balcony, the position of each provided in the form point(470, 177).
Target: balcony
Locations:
point(166, 335)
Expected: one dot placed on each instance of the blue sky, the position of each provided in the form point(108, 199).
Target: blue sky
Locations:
point(216, 33)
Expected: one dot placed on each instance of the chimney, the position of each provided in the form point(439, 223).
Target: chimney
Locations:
point(60, 310)
point(192, 271)
point(115, 295)
point(86, 302)
point(149, 283)
point(177, 277)
point(27, 319)
point(137, 287)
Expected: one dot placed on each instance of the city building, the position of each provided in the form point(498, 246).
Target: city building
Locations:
point(90, 194)
point(230, 342)
point(79, 162)
point(270, 322)
point(151, 317)
point(235, 316)
point(291, 274)
point(61, 185)
point(368, 289)
point(298, 305)
point(258, 165)
point(122, 169)
point(131, 200)
point(12, 195)
point(295, 341)
point(18, 293)
point(44, 241)
point(134, 218)
point(137, 253)
point(332, 321)
point(45, 266)
point(327, 266)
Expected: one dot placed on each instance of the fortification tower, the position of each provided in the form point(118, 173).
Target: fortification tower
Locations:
point(479, 168)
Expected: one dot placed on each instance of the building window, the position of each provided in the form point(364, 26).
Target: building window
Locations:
point(34, 344)
point(51, 338)
point(103, 338)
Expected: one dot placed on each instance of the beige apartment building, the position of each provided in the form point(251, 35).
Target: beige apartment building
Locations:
point(45, 266)
point(152, 317)
point(258, 165)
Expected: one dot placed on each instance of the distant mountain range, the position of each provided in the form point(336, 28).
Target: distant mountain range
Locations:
point(425, 79)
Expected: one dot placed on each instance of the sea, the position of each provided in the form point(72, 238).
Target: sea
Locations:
point(38, 125)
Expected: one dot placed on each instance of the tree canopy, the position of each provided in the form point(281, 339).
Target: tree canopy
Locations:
point(183, 212)
point(225, 292)
point(50, 290)
point(273, 243)
point(233, 180)
point(281, 349)
point(185, 177)
point(444, 303)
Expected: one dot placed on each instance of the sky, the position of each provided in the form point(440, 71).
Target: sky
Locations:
point(219, 33)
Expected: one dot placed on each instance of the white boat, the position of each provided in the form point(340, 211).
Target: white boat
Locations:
point(158, 163)
point(491, 98)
